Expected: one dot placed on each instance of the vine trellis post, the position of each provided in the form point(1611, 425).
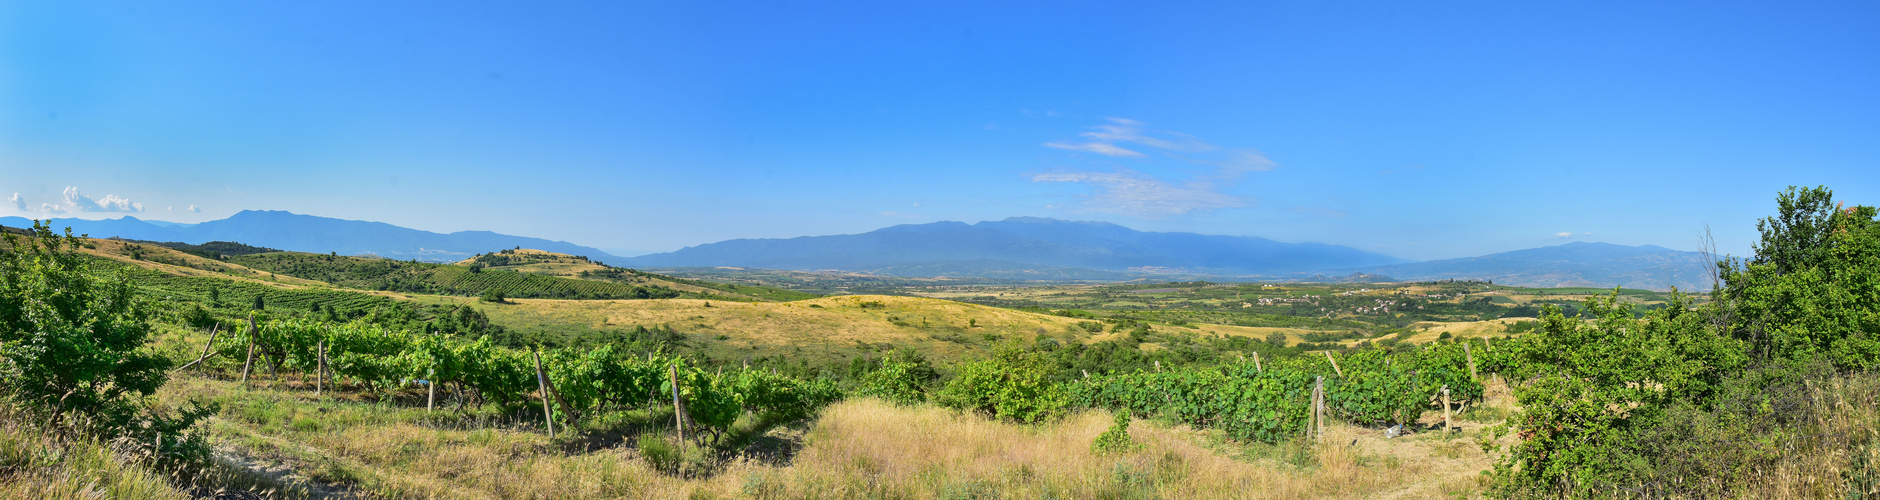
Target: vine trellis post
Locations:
point(541, 383)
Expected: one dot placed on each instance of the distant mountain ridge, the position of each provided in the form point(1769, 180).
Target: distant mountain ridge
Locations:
point(307, 233)
point(1006, 247)
point(1019, 248)
point(1577, 264)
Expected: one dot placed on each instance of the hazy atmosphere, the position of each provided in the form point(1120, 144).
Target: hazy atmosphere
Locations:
point(1424, 132)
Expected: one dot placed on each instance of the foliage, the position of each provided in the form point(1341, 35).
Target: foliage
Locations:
point(1680, 400)
point(72, 343)
point(1116, 439)
point(1015, 384)
point(589, 380)
point(903, 378)
point(69, 340)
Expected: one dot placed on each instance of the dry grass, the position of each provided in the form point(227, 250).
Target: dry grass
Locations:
point(1430, 331)
point(937, 454)
point(38, 464)
point(941, 329)
point(1842, 460)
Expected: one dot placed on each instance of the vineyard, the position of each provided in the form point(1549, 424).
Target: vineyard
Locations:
point(1271, 401)
point(443, 279)
point(173, 288)
point(578, 382)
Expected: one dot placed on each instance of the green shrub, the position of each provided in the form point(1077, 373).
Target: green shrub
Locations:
point(1016, 385)
point(72, 343)
point(903, 378)
point(1116, 439)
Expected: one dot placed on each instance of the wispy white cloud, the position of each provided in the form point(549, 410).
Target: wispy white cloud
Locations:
point(1096, 147)
point(1564, 235)
point(109, 203)
point(1129, 192)
point(194, 209)
point(18, 204)
point(1126, 192)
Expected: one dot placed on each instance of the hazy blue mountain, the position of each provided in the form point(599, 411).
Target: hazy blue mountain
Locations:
point(306, 233)
point(1019, 244)
point(1573, 264)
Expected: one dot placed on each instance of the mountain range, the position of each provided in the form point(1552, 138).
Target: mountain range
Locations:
point(1577, 264)
point(307, 233)
point(1021, 248)
point(958, 248)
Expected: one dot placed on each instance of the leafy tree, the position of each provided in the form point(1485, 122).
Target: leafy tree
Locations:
point(1813, 288)
point(1682, 400)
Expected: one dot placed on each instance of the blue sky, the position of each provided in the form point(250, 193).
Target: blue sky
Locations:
point(1421, 131)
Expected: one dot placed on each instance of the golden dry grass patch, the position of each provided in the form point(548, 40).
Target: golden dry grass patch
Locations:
point(1430, 331)
point(841, 319)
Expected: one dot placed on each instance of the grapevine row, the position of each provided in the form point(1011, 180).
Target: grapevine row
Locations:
point(1270, 402)
point(585, 381)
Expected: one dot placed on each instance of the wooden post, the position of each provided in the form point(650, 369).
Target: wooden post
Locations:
point(1086, 373)
point(1256, 363)
point(1318, 405)
point(326, 364)
point(430, 383)
point(1158, 365)
point(249, 363)
point(1328, 357)
point(213, 331)
point(1471, 358)
point(207, 348)
point(1487, 346)
point(678, 406)
point(541, 383)
point(274, 374)
point(319, 368)
point(1446, 426)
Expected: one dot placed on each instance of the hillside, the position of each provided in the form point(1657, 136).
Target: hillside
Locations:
point(307, 233)
point(426, 278)
point(532, 261)
point(1013, 246)
point(1577, 264)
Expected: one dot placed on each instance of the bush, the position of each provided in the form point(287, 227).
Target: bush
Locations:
point(1115, 440)
point(72, 343)
point(902, 379)
point(1014, 385)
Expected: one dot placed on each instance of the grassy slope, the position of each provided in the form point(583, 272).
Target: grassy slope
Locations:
point(830, 326)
